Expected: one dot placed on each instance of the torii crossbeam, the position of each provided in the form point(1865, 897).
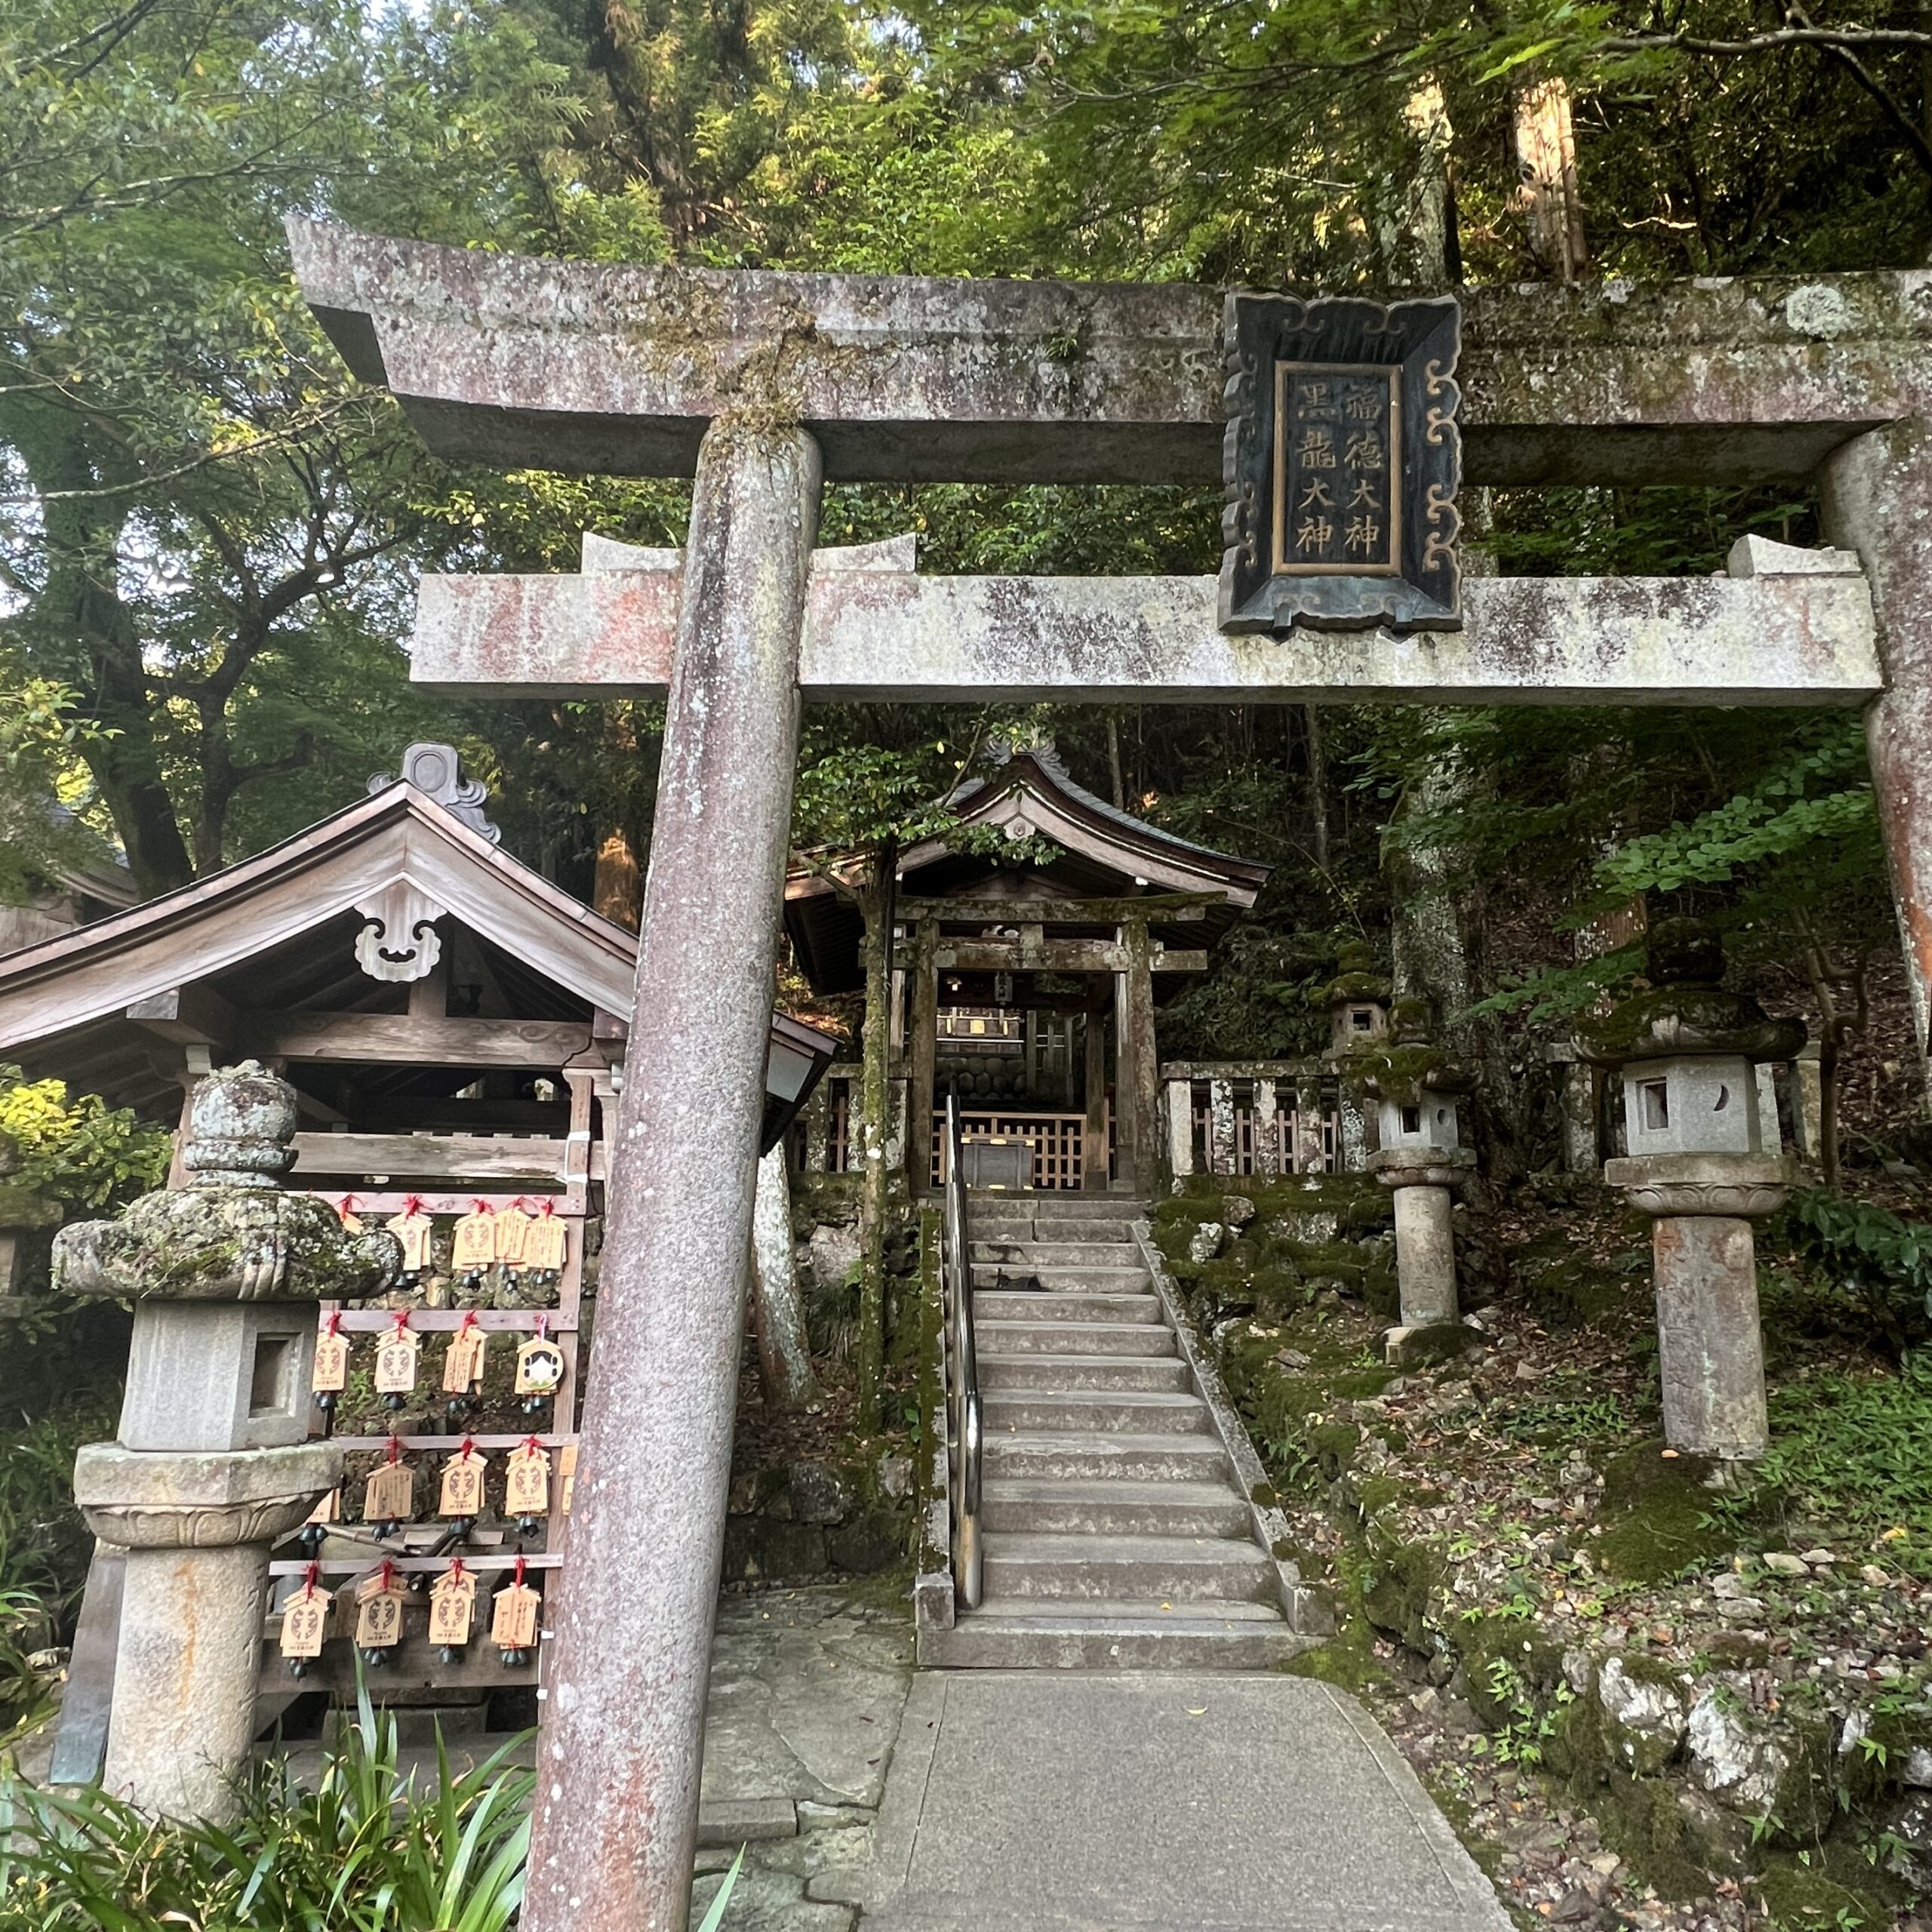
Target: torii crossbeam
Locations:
point(762, 385)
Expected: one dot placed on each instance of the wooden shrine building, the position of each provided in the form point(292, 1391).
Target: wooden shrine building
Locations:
point(1030, 991)
point(456, 1028)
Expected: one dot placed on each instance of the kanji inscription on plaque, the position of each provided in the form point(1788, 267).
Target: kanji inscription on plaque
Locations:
point(1342, 461)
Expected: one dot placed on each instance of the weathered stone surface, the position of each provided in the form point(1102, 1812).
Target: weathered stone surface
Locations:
point(185, 1671)
point(1711, 1351)
point(1877, 497)
point(1799, 638)
point(218, 1375)
point(818, 1494)
point(1738, 1185)
point(615, 1817)
point(1204, 1243)
point(226, 1244)
point(1644, 1719)
point(200, 1502)
point(1425, 1255)
point(911, 379)
point(1730, 1762)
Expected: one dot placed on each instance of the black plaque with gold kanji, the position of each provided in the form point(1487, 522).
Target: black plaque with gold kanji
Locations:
point(1341, 463)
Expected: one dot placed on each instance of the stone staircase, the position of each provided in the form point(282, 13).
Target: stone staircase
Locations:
point(1115, 1534)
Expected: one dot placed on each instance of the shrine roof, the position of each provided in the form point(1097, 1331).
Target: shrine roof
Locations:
point(1108, 858)
point(275, 935)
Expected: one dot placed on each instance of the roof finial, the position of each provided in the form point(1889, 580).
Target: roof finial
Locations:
point(437, 771)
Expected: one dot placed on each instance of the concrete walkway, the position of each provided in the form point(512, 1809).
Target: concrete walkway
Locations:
point(1020, 1801)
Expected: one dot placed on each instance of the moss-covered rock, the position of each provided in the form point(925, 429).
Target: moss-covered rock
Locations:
point(1660, 1515)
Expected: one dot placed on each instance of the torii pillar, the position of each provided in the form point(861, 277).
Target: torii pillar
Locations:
point(755, 383)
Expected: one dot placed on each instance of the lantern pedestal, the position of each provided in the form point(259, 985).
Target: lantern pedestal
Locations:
point(1710, 1347)
point(198, 1530)
point(1424, 1185)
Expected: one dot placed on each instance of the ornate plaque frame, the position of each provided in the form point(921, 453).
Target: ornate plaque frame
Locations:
point(1405, 573)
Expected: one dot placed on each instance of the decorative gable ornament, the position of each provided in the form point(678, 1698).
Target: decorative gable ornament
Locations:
point(1341, 463)
point(399, 942)
point(437, 771)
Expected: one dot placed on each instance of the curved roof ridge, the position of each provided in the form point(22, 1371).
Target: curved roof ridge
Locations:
point(1046, 756)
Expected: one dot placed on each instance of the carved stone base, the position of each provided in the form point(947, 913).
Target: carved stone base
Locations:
point(212, 1500)
point(1738, 1185)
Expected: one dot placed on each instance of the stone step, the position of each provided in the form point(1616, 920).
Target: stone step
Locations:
point(1122, 1281)
point(1025, 1255)
point(1066, 1339)
point(1172, 1570)
point(1065, 1412)
point(1080, 1371)
point(1116, 1509)
point(1049, 1203)
point(1063, 1305)
point(1135, 1634)
point(1091, 1456)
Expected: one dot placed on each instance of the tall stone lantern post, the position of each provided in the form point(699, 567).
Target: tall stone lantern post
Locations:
point(1422, 1160)
point(210, 1464)
point(1703, 1163)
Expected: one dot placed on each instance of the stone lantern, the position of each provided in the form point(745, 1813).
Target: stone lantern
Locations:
point(1702, 1161)
point(1358, 1004)
point(1422, 1159)
point(211, 1464)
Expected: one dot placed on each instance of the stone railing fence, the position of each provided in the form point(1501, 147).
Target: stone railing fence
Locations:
point(1260, 1117)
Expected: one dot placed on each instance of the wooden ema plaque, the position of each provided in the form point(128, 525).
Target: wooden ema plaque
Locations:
point(452, 1607)
point(305, 1621)
point(513, 1227)
point(396, 1362)
point(474, 1246)
point(380, 1600)
point(413, 1229)
point(331, 1371)
point(464, 1360)
point(539, 1367)
point(526, 1481)
point(513, 1620)
point(462, 1491)
point(547, 1245)
point(390, 1494)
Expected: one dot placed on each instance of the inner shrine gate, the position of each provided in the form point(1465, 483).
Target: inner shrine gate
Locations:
point(763, 386)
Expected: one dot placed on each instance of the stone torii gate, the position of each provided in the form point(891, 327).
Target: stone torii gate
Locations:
point(765, 385)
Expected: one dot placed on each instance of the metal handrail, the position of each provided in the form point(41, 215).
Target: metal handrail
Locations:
point(963, 1393)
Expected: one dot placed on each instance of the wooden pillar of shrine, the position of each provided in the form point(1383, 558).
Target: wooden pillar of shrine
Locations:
point(921, 1051)
point(1136, 1073)
point(1093, 1040)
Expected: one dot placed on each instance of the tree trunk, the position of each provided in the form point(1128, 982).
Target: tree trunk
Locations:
point(778, 1316)
point(1318, 783)
point(1546, 161)
point(1437, 933)
point(875, 905)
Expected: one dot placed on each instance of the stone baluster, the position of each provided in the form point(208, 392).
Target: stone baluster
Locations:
point(1265, 1135)
point(1221, 1127)
point(1702, 1163)
point(210, 1464)
point(1180, 1103)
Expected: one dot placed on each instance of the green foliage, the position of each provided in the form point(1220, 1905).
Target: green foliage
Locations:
point(1816, 807)
point(1882, 1263)
point(78, 1150)
point(367, 1851)
point(1848, 1451)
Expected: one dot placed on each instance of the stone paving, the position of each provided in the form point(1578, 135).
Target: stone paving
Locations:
point(806, 1690)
